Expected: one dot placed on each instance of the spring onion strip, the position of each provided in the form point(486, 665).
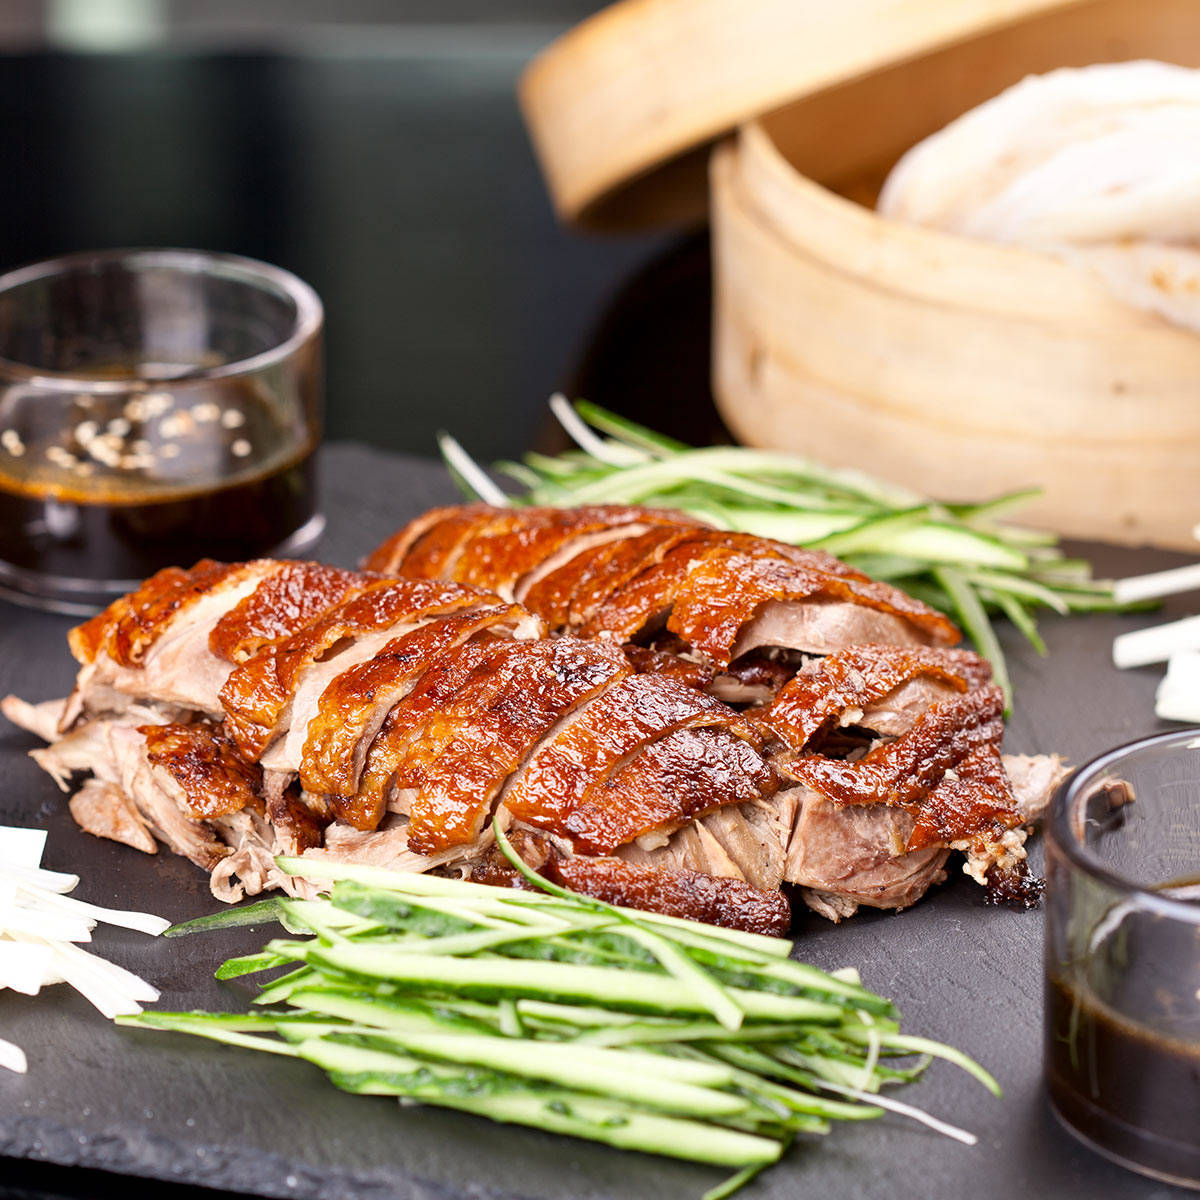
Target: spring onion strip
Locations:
point(468, 471)
point(890, 532)
point(906, 1110)
point(1159, 584)
point(1157, 643)
point(612, 1025)
point(975, 623)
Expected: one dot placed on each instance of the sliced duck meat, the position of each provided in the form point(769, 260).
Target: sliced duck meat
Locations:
point(281, 605)
point(1034, 779)
point(578, 592)
point(723, 594)
point(212, 778)
point(127, 629)
point(868, 685)
point(674, 780)
point(156, 641)
point(945, 772)
point(742, 841)
point(675, 892)
point(846, 857)
point(647, 661)
point(260, 695)
point(689, 894)
point(103, 810)
point(355, 704)
point(503, 546)
point(298, 825)
point(728, 586)
point(386, 559)
point(534, 688)
point(445, 694)
point(564, 770)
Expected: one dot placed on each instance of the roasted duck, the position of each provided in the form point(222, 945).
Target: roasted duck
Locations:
point(889, 739)
point(233, 712)
point(236, 712)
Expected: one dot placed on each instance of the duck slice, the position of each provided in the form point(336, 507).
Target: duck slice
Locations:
point(353, 707)
point(282, 604)
point(531, 689)
point(154, 642)
point(673, 780)
point(861, 685)
point(603, 738)
point(260, 694)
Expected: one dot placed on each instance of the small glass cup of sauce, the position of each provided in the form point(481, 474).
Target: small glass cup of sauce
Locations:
point(1122, 1050)
point(156, 407)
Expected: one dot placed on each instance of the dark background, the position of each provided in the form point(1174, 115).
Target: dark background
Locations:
point(372, 147)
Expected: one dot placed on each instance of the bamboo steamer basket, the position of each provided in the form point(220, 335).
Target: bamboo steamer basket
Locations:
point(623, 108)
point(958, 367)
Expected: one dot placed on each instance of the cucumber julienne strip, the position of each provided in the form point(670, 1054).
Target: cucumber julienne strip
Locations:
point(557, 1011)
point(889, 531)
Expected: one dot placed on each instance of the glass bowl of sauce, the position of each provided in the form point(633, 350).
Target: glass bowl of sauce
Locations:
point(1122, 1049)
point(156, 407)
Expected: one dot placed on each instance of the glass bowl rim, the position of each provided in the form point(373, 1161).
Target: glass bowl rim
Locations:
point(1060, 833)
point(307, 322)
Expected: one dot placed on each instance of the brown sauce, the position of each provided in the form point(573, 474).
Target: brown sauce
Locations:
point(1129, 1081)
point(113, 488)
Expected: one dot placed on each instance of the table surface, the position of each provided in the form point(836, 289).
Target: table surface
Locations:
point(192, 1113)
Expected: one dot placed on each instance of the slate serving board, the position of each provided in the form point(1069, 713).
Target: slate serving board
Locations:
point(175, 1109)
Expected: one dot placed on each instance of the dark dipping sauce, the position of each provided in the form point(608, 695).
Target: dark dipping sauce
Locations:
point(1129, 1081)
point(91, 506)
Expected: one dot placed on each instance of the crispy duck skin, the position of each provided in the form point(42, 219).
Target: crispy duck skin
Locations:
point(127, 629)
point(690, 894)
point(705, 585)
point(354, 706)
point(285, 602)
point(853, 679)
point(664, 787)
point(259, 690)
point(531, 689)
point(562, 774)
point(946, 771)
point(213, 778)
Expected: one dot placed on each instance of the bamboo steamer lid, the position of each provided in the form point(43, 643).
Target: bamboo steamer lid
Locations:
point(624, 108)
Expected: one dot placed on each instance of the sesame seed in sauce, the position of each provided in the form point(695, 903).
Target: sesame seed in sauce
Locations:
point(84, 400)
point(140, 446)
point(170, 450)
point(240, 448)
point(206, 413)
point(233, 418)
point(157, 403)
point(85, 431)
point(176, 425)
point(10, 439)
point(118, 427)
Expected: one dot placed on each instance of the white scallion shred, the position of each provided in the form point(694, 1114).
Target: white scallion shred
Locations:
point(1178, 696)
point(1177, 643)
point(39, 928)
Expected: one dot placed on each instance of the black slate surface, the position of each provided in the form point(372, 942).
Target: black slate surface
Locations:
point(188, 1112)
